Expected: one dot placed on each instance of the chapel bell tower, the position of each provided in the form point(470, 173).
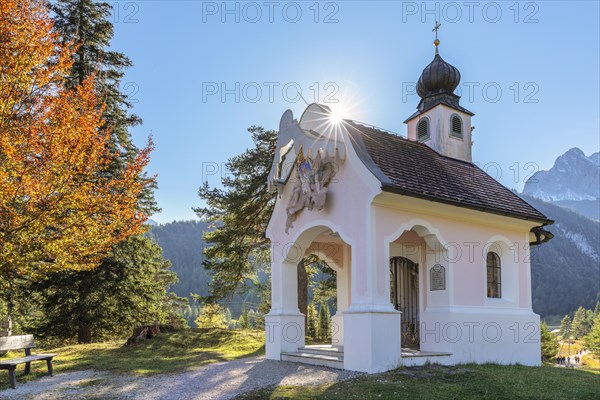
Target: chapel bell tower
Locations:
point(440, 122)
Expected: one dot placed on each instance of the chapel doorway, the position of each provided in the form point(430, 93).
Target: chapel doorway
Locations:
point(404, 275)
point(324, 286)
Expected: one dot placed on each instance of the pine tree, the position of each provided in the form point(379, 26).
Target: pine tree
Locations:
point(244, 320)
point(212, 316)
point(548, 342)
point(582, 322)
point(86, 24)
point(264, 293)
point(239, 214)
point(324, 321)
point(592, 340)
point(328, 315)
point(129, 288)
point(325, 290)
point(253, 318)
point(588, 322)
point(565, 327)
point(311, 317)
point(228, 318)
point(191, 312)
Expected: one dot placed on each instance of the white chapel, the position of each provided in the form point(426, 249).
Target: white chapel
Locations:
point(431, 254)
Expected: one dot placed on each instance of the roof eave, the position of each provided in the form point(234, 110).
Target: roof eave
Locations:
point(397, 190)
point(419, 112)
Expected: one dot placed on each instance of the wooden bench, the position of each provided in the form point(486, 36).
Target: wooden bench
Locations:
point(23, 342)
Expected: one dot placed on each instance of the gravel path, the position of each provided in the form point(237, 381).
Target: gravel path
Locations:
point(223, 380)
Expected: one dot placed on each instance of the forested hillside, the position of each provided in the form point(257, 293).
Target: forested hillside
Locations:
point(566, 271)
point(182, 244)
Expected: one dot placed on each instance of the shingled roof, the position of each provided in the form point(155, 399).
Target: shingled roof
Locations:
point(413, 169)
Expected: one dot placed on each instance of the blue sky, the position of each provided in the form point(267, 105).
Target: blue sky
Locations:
point(205, 71)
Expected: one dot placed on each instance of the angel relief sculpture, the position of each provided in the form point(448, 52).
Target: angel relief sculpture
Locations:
point(310, 189)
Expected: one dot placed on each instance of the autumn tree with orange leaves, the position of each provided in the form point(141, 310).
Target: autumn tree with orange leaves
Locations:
point(60, 206)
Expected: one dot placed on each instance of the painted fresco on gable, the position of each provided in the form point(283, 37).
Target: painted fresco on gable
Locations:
point(310, 189)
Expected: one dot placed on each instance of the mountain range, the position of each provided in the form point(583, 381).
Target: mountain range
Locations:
point(573, 182)
point(565, 272)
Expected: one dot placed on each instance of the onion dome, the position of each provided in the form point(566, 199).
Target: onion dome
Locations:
point(437, 83)
point(438, 77)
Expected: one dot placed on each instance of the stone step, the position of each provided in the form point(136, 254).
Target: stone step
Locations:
point(417, 353)
point(315, 359)
point(323, 350)
point(411, 358)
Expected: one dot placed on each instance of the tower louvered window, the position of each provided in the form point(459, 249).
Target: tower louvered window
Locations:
point(456, 126)
point(423, 130)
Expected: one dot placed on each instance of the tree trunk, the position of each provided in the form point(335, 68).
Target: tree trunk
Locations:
point(145, 332)
point(6, 326)
point(84, 332)
point(84, 326)
point(303, 292)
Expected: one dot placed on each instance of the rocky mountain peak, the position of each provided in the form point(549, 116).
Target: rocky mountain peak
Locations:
point(574, 177)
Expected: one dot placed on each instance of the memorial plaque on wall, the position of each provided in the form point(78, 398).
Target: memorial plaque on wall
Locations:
point(437, 277)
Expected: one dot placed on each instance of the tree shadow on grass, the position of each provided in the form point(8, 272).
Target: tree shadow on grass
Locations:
point(166, 353)
point(463, 381)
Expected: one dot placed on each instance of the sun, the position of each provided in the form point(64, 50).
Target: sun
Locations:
point(337, 115)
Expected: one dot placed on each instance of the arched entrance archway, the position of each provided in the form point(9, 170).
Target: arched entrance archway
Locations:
point(414, 252)
point(329, 246)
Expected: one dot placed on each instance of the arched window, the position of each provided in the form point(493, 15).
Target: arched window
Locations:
point(456, 126)
point(423, 130)
point(494, 276)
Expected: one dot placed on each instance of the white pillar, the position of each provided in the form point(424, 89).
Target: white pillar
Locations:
point(284, 324)
point(371, 324)
point(343, 297)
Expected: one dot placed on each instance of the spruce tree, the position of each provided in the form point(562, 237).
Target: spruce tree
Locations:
point(311, 317)
point(86, 24)
point(252, 318)
point(228, 318)
point(589, 321)
point(592, 340)
point(582, 323)
point(548, 342)
point(565, 327)
point(324, 321)
point(244, 320)
point(128, 289)
point(325, 289)
point(239, 214)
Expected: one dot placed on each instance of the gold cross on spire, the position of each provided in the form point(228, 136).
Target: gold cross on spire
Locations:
point(435, 29)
